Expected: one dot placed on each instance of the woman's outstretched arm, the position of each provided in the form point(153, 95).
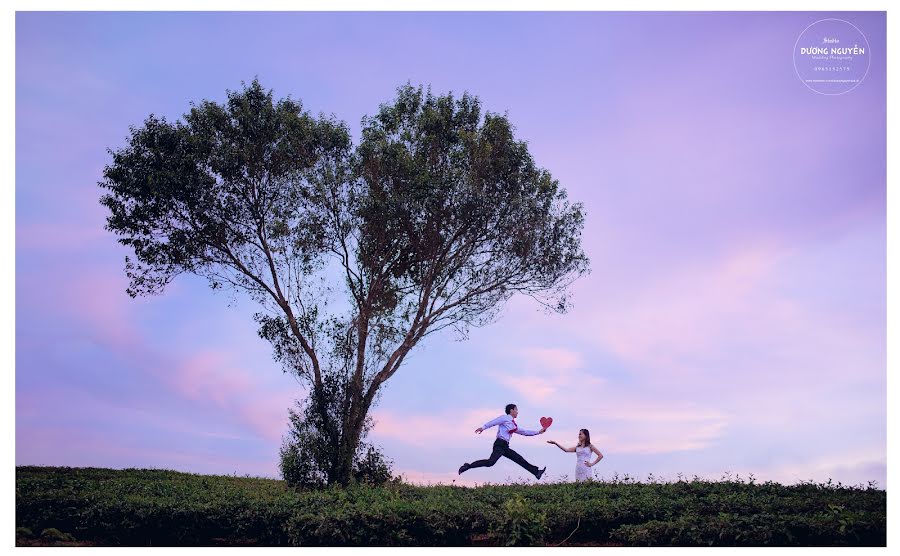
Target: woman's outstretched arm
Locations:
point(560, 447)
point(599, 455)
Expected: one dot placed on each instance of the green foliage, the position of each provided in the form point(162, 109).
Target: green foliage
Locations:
point(297, 469)
point(520, 524)
point(55, 535)
point(308, 458)
point(139, 507)
point(372, 467)
point(308, 455)
point(187, 196)
point(24, 532)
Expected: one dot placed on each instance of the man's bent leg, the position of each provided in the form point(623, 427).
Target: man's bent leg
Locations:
point(513, 455)
point(499, 446)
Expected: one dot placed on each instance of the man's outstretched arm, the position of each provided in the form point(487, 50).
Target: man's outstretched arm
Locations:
point(489, 424)
point(529, 433)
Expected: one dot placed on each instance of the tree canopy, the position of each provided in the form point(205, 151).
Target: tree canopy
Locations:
point(434, 220)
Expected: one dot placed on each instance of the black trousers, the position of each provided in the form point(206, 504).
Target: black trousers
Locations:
point(501, 448)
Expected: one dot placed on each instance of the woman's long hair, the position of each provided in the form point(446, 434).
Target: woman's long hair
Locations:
point(587, 438)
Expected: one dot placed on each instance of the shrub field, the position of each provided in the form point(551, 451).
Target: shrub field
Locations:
point(140, 507)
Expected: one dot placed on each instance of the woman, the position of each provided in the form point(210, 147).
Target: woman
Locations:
point(583, 454)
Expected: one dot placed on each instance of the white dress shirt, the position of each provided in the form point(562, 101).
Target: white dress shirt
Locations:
point(506, 426)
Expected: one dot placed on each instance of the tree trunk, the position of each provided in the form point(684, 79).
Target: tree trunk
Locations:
point(346, 453)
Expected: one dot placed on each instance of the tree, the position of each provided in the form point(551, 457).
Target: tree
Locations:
point(307, 452)
point(434, 220)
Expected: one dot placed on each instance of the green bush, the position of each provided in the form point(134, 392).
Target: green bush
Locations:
point(151, 507)
point(755, 530)
point(372, 467)
point(521, 524)
point(307, 456)
point(55, 535)
point(24, 532)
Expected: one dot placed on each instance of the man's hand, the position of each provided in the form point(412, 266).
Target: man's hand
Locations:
point(479, 430)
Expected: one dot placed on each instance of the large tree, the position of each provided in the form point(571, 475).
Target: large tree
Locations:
point(355, 254)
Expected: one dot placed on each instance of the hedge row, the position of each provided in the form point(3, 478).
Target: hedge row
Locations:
point(156, 507)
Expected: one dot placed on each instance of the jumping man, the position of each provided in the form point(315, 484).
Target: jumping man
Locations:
point(506, 426)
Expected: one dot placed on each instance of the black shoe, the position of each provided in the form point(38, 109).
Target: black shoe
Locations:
point(464, 468)
point(540, 472)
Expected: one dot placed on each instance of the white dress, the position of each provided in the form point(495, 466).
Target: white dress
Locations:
point(582, 471)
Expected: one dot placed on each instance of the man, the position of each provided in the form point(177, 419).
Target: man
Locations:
point(506, 426)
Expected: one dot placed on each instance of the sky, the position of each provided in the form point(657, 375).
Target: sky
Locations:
point(733, 323)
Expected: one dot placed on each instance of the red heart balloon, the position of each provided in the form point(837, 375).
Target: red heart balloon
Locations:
point(546, 422)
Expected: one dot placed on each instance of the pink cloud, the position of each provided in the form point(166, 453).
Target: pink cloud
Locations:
point(849, 467)
point(633, 422)
point(70, 403)
point(267, 412)
point(93, 300)
point(453, 428)
point(685, 312)
point(548, 374)
point(620, 425)
point(629, 423)
point(536, 389)
point(78, 447)
point(711, 343)
point(206, 376)
point(662, 437)
point(686, 326)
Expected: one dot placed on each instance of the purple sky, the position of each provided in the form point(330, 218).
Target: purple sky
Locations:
point(734, 320)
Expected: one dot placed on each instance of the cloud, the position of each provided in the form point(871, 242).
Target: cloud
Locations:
point(435, 430)
point(267, 412)
point(534, 388)
point(749, 318)
point(79, 447)
point(548, 373)
point(633, 421)
point(90, 300)
point(663, 437)
point(93, 305)
point(848, 467)
point(688, 312)
point(623, 425)
point(206, 376)
point(630, 425)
